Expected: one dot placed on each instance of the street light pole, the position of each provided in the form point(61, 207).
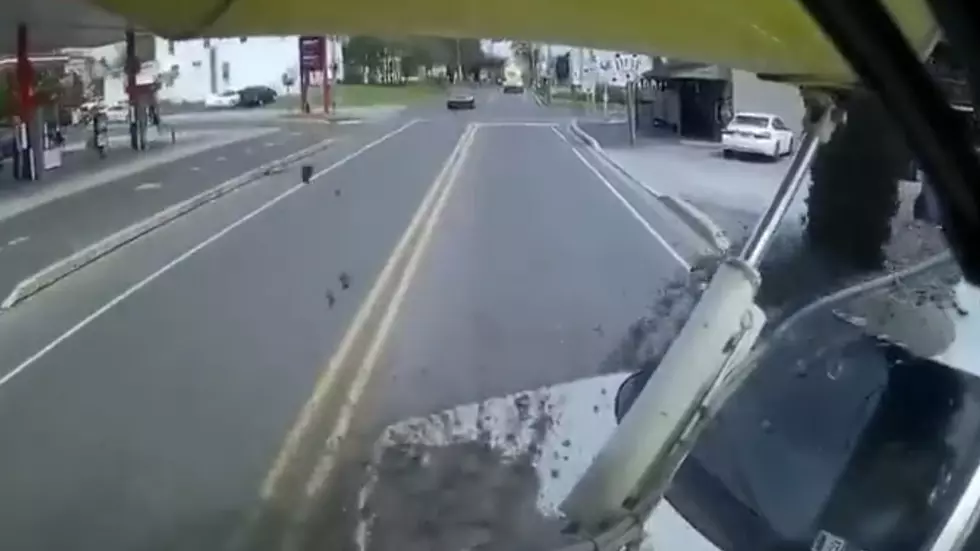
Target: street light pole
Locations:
point(549, 70)
point(459, 63)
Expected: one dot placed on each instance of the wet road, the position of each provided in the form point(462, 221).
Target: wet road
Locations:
point(145, 401)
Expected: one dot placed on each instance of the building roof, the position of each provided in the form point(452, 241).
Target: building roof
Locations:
point(56, 24)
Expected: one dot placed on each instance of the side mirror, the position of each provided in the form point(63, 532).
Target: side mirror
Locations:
point(628, 392)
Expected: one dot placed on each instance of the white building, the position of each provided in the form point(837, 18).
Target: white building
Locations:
point(189, 70)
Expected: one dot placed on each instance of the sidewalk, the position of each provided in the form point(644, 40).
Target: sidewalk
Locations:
point(711, 194)
point(100, 204)
point(732, 193)
point(614, 132)
point(84, 169)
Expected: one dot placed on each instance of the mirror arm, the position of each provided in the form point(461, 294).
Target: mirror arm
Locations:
point(760, 238)
point(628, 477)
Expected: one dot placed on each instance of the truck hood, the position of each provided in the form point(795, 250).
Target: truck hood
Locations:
point(865, 412)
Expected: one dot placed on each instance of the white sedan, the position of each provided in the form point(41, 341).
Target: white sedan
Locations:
point(223, 100)
point(757, 133)
point(117, 113)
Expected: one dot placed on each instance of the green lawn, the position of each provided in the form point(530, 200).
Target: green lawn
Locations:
point(360, 95)
point(367, 94)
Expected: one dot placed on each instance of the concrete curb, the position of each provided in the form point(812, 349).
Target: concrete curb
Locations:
point(704, 226)
point(701, 144)
point(361, 115)
point(315, 119)
point(698, 221)
point(66, 266)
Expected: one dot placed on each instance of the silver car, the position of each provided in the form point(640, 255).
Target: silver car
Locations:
point(461, 100)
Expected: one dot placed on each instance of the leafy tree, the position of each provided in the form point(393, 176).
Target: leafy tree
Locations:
point(563, 67)
point(401, 58)
point(364, 52)
point(461, 55)
point(854, 193)
point(288, 80)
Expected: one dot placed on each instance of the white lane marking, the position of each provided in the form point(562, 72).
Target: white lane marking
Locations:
point(270, 144)
point(6, 378)
point(195, 168)
point(349, 122)
point(646, 225)
point(560, 135)
point(531, 124)
point(615, 170)
point(18, 240)
point(446, 181)
point(148, 186)
point(220, 159)
point(293, 439)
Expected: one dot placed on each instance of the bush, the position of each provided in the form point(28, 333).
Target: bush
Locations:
point(854, 193)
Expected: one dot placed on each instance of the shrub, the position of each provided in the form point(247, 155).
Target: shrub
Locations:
point(854, 190)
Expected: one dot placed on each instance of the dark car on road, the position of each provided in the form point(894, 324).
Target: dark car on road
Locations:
point(256, 96)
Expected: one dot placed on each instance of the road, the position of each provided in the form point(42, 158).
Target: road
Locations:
point(160, 397)
point(32, 240)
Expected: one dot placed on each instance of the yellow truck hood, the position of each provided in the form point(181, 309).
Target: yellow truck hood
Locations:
point(762, 36)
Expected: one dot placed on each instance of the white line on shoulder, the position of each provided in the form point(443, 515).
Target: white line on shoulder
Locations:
point(10, 375)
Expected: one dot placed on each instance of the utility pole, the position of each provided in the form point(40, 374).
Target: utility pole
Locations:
point(459, 63)
point(532, 64)
point(325, 44)
point(550, 71)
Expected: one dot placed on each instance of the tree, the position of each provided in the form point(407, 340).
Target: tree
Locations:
point(529, 55)
point(855, 179)
point(364, 54)
point(396, 59)
point(461, 55)
point(563, 67)
point(494, 66)
point(289, 78)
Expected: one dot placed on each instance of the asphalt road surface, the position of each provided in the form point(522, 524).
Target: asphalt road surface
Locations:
point(32, 240)
point(160, 397)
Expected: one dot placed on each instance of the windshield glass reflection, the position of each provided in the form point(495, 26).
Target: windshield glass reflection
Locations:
point(839, 430)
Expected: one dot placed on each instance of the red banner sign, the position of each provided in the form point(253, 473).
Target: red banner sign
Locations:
point(311, 53)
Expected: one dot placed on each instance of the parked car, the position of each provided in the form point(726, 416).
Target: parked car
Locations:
point(118, 113)
point(223, 100)
point(256, 96)
point(757, 133)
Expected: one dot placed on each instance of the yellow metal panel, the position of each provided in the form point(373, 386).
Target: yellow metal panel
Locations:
point(763, 36)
